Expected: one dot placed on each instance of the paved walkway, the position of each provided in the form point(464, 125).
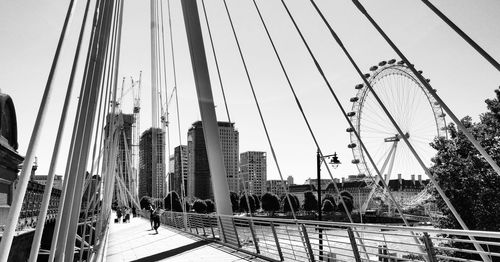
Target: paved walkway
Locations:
point(135, 241)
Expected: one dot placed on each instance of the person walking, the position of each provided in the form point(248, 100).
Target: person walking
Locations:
point(156, 219)
point(151, 210)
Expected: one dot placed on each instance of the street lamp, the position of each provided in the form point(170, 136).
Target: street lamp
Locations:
point(334, 161)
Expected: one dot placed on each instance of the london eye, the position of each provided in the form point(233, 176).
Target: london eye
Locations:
point(416, 112)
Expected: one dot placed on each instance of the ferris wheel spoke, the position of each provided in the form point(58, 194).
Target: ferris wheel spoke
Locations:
point(376, 110)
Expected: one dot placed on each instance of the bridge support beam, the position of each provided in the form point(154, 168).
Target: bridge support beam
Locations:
point(207, 108)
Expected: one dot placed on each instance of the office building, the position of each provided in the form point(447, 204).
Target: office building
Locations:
point(198, 178)
point(253, 171)
point(151, 170)
point(179, 170)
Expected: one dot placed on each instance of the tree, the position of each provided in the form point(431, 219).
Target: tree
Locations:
point(270, 203)
point(310, 201)
point(200, 206)
point(210, 205)
point(245, 206)
point(469, 182)
point(187, 206)
point(286, 205)
point(331, 198)
point(234, 201)
point(145, 202)
point(328, 206)
point(348, 200)
point(256, 200)
point(172, 202)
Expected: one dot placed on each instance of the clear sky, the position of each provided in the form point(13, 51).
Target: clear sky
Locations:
point(29, 31)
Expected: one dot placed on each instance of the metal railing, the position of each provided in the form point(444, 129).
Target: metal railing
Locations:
point(289, 240)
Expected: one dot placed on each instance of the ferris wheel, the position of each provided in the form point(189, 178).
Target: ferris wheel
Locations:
point(419, 116)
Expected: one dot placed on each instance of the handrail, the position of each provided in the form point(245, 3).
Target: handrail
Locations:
point(279, 239)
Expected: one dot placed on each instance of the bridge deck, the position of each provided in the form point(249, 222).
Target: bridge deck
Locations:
point(135, 241)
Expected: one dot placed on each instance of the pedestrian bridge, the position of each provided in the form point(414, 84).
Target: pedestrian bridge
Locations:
point(101, 171)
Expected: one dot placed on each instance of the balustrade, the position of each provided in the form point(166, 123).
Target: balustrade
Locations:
point(287, 240)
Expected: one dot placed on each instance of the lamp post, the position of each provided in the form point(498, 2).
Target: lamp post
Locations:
point(335, 163)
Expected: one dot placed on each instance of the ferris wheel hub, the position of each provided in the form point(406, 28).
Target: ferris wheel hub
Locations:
point(396, 138)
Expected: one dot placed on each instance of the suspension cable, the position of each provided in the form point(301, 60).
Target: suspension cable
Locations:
point(343, 111)
point(216, 60)
point(459, 31)
point(304, 116)
point(17, 201)
point(98, 164)
point(458, 123)
point(99, 126)
point(299, 105)
point(165, 118)
point(260, 112)
point(175, 89)
point(35, 246)
point(107, 167)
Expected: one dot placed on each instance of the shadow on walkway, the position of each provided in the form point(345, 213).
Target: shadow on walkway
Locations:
point(173, 252)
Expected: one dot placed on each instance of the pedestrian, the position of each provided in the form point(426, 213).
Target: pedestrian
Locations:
point(119, 214)
point(151, 210)
point(134, 212)
point(156, 219)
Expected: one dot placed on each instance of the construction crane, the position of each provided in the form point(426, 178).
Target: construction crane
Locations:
point(136, 89)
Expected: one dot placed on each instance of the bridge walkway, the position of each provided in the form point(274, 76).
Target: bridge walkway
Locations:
point(135, 241)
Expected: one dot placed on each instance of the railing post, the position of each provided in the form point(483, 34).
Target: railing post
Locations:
point(202, 217)
point(277, 242)
point(221, 231)
point(254, 237)
point(209, 219)
point(236, 233)
point(308, 243)
point(383, 253)
point(431, 252)
point(354, 246)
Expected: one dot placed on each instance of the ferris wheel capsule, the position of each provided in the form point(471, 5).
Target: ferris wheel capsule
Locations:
point(392, 61)
point(359, 86)
point(401, 62)
point(373, 68)
point(382, 63)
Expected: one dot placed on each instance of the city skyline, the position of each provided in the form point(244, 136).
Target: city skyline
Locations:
point(432, 46)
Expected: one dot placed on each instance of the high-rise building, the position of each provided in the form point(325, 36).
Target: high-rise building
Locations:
point(253, 171)
point(151, 184)
point(198, 180)
point(289, 180)
point(179, 170)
